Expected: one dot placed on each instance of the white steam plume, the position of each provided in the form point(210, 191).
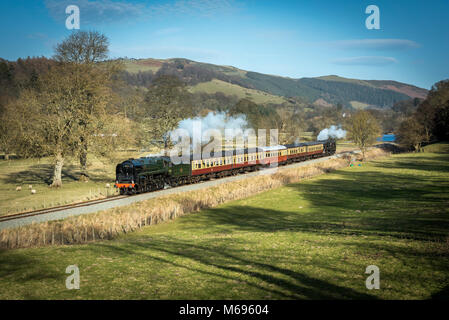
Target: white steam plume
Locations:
point(332, 132)
point(218, 121)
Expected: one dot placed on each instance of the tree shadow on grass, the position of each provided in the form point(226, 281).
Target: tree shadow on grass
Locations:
point(319, 220)
point(436, 163)
point(443, 294)
point(31, 269)
point(43, 173)
point(230, 264)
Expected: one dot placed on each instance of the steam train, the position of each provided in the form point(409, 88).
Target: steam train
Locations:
point(153, 173)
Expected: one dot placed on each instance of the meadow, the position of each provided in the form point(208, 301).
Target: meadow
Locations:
point(37, 174)
point(307, 240)
point(256, 96)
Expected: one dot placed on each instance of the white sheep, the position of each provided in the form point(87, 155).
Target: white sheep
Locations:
point(108, 185)
point(19, 189)
point(33, 191)
point(30, 187)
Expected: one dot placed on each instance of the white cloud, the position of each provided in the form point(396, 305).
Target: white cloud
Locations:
point(107, 11)
point(37, 36)
point(167, 31)
point(366, 61)
point(374, 44)
point(96, 11)
point(165, 52)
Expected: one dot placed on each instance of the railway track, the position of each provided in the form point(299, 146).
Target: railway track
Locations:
point(88, 206)
point(58, 208)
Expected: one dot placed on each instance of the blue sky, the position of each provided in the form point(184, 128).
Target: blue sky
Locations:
point(288, 38)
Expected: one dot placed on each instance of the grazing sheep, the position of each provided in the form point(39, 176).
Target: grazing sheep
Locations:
point(30, 187)
point(19, 189)
point(108, 185)
point(33, 191)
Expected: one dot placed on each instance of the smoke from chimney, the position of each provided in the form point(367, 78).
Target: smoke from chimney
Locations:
point(218, 121)
point(332, 132)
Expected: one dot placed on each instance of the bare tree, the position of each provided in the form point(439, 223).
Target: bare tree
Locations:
point(363, 129)
point(7, 131)
point(93, 111)
point(412, 133)
point(166, 103)
point(290, 124)
point(83, 47)
point(86, 49)
point(50, 117)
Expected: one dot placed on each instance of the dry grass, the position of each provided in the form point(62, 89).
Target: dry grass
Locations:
point(111, 223)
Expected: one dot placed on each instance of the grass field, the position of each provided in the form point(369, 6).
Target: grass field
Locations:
point(38, 173)
point(143, 65)
point(359, 105)
point(309, 240)
point(233, 89)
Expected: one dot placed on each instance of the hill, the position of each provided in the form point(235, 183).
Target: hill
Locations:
point(264, 88)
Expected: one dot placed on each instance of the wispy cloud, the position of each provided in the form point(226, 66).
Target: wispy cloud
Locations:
point(194, 7)
point(97, 11)
point(365, 61)
point(107, 11)
point(37, 36)
point(48, 42)
point(166, 51)
point(374, 44)
point(167, 31)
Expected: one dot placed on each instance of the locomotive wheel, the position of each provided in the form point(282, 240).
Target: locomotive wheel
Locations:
point(174, 183)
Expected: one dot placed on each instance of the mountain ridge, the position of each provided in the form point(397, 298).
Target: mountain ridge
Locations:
point(328, 90)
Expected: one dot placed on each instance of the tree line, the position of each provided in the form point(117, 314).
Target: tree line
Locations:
point(429, 121)
point(66, 110)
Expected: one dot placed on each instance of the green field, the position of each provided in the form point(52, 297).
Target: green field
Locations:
point(256, 96)
point(142, 65)
point(38, 173)
point(359, 105)
point(309, 240)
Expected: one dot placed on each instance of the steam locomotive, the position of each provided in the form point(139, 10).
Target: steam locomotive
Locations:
point(153, 173)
